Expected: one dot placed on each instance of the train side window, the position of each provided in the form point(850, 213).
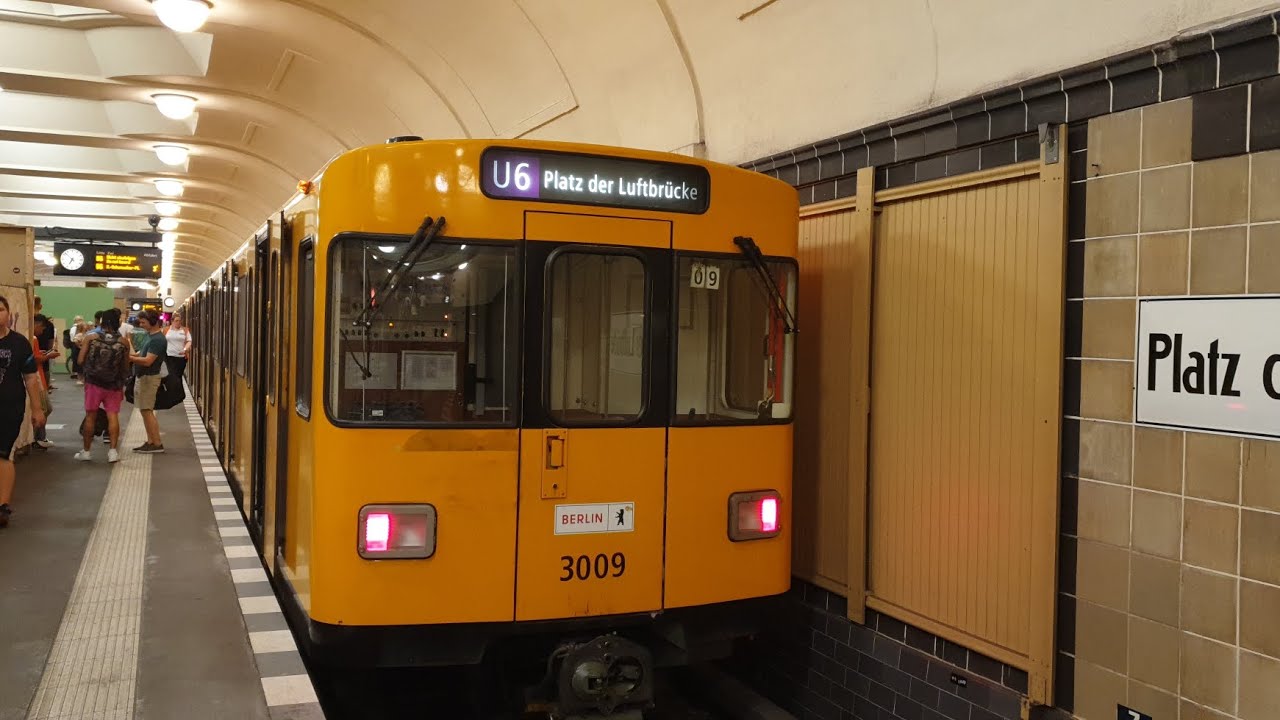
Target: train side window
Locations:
point(273, 309)
point(440, 348)
point(596, 338)
point(240, 342)
point(306, 328)
point(734, 363)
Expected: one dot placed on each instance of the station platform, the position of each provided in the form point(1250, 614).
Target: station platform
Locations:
point(133, 590)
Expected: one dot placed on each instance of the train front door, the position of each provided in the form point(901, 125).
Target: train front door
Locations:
point(594, 423)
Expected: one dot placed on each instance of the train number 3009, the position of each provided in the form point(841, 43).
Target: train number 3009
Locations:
point(584, 567)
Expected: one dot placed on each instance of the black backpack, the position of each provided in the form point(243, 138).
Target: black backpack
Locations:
point(104, 365)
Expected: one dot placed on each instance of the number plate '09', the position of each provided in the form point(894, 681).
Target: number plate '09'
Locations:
point(586, 567)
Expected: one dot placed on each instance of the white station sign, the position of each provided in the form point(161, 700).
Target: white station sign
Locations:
point(595, 518)
point(1210, 364)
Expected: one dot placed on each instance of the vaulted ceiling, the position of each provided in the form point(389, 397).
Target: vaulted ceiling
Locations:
point(284, 85)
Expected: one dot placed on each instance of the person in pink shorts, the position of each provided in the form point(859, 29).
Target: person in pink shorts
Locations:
point(104, 359)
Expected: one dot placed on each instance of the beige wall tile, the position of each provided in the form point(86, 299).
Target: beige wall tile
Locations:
point(1191, 711)
point(1153, 653)
point(1106, 390)
point(1111, 267)
point(1166, 133)
point(1208, 673)
point(1155, 703)
point(1157, 459)
point(1260, 619)
point(1221, 192)
point(1209, 535)
point(1209, 604)
point(1264, 258)
point(1162, 266)
point(1154, 588)
point(1102, 636)
point(1114, 141)
point(1111, 206)
point(1102, 574)
point(1157, 524)
point(1108, 328)
point(1260, 546)
point(1262, 474)
point(1106, 451)
point(1259, 687)
point(1097, 692)
point(1265, 186)
point(1166, 199)
point(1104, 513)
point(1213, 467)
point(1217, 261)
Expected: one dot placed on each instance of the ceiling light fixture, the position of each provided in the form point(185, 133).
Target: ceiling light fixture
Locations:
point(169, 188)
point(170, 237)
point(168, 224)
point(174, 106)
point(182, 15)
point(168, 209)
point(50, 261)
point(172, 154)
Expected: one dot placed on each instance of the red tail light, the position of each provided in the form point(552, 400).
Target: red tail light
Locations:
point(754, 515)
point(396, 531)
point(377, 532)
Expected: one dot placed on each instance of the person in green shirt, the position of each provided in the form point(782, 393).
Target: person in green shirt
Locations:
point(148, 358)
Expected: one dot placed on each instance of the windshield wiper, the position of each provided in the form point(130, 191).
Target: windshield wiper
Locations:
point(752, 252)
point(427, 231)
point(417, 245)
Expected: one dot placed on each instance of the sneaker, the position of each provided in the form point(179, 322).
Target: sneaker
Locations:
point(113, 455)
point(83, 456)
point(150, 449)
point(106, 439)
point(5, 512)
point(143, 447)
point(46, 444)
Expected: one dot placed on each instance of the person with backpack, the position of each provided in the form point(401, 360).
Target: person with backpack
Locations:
point(105, 362)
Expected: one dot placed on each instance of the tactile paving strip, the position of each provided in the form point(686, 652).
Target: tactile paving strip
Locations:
point(92, 669)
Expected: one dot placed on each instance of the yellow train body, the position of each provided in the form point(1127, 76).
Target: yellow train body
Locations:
point(629, 383)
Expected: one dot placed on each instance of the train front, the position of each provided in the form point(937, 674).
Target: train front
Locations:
point(558, 391)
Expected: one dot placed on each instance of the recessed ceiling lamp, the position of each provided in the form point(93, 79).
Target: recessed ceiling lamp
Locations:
point(168, 209)
point(182, 15)
point(172, 154)
point(168, 224)
point(169, 188)
point(174, 106)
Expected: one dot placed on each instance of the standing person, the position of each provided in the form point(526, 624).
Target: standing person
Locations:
point(48, 337)
point(18, 381)
point(105, 359)
point(148, 358)
point(42, 364)
point(179, 346)
point(127, 331)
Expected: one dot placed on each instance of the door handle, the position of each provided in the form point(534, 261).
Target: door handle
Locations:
point(555, 452)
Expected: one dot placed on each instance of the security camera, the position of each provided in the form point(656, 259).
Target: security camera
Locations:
point(154, 220)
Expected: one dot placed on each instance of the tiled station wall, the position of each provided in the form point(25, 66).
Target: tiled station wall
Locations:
point(1173, 608)
point(1170, 551)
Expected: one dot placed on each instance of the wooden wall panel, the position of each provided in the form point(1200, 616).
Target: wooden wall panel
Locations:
point(820, 524)
point(961, 345)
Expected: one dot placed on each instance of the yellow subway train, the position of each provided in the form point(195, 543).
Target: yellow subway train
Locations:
point(492, 401)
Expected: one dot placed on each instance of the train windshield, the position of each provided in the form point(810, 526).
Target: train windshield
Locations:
point(735, 360)
point(441, 349)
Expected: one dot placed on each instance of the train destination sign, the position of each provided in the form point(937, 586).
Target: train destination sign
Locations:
point(1210, 364)
point(110, 261)
point(512, 174)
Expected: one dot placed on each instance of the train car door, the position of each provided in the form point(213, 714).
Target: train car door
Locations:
point(284, 414)
point(594, 416)
point(262, 336)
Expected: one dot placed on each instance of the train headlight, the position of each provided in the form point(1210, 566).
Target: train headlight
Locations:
point(754, 515)
point(396, 531)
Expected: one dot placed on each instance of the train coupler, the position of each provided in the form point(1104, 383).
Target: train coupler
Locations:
point(608, 677)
